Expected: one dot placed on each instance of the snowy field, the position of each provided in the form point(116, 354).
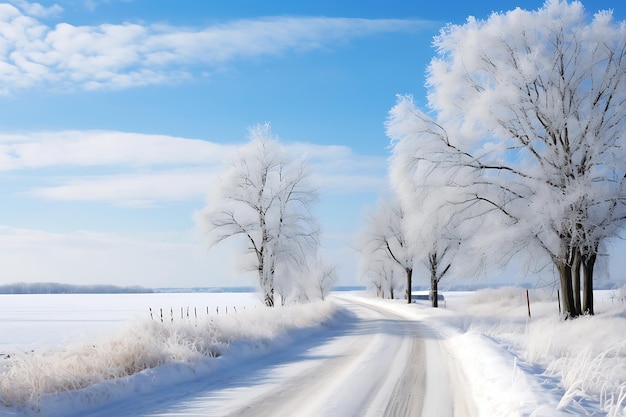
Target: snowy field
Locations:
point(29, 321)
point(68, 354)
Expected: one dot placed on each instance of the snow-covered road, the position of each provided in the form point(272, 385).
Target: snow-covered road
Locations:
point(372, 362)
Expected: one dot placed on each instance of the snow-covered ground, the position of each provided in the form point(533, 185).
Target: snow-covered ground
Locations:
point(480, 355)
point(538, 366)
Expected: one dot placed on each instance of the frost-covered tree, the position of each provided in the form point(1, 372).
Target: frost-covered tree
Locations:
point(322, 278)
point(313, 283)
point(384, 239)
point(265, 198)
point(384, 276)
point(527, 119)
point(431, 220)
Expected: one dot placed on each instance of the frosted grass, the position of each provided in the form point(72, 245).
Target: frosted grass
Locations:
point(32, 321)
point(27, 378)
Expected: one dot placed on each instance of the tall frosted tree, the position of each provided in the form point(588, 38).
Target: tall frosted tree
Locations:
point(264, 199)
point(526, 118)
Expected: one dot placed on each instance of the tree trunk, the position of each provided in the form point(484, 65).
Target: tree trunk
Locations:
point(268, 290)
point(434, 292)
point(269, 297)
point(391, 296)
point(588, 265)
point(576, 278)
point(266, 280)
point(567, 296)
point(434, 279)
point(409, 284)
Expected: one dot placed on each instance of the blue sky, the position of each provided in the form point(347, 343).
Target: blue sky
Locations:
point(117, 116)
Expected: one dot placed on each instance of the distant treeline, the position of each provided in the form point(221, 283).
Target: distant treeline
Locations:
point(58, 288)
point(205, 289)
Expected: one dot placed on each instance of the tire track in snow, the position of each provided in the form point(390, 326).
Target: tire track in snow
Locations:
point(408, 395)
point(377, 354)
point(446, 386)
point(439, 379)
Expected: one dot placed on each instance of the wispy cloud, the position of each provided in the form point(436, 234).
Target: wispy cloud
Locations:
point(138, 170)
point(102, 148)
point(36, 9)
point(118, 56)
point(138, 189)
point(337, 169)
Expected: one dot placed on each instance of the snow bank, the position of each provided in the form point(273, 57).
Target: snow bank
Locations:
point(57, 381)
point(581, 362)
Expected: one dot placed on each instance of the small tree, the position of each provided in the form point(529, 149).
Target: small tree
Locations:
point(322, 278)
point(384, 239)
point(264, 199)
point(383, 275)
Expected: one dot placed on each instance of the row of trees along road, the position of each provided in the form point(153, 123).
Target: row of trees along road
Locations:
point(521, 145)
point(264, 199)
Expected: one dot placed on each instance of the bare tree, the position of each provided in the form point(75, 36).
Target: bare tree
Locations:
point(323, 277)
point(528, 121)
point(265, 200)
point(384, 239)
point(386, 277)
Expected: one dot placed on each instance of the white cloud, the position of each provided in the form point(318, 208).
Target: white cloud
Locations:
point(356, 173)
point(137, 170)
point(100, 148)
point(126, 55)
point(36, 9)
point(133, 190)
point(337, 169)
